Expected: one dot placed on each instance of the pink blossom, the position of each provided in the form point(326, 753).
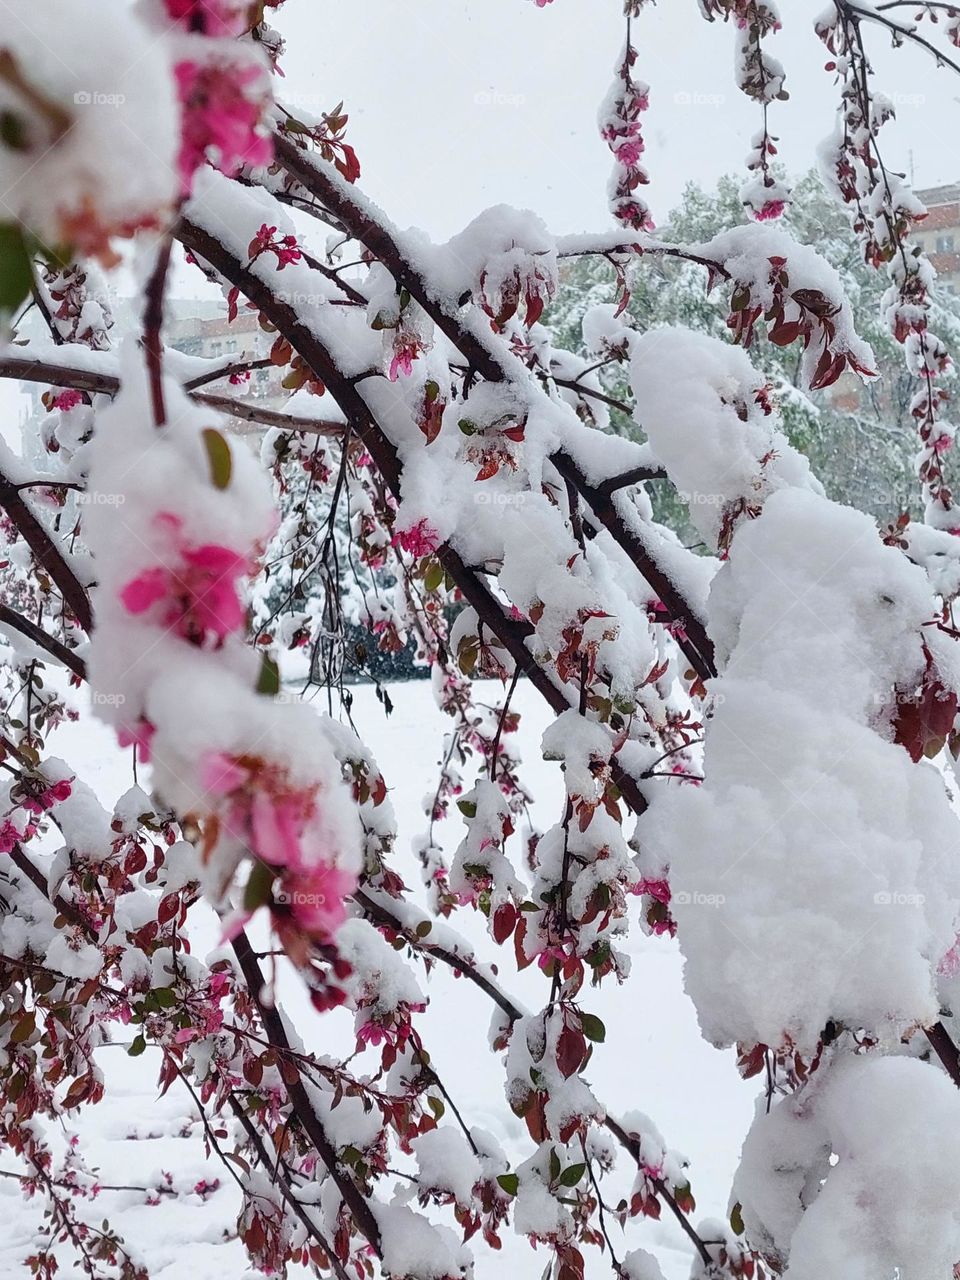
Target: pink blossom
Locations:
point(769, 211)
point(403, 358)
point(48, 797)
point(200, 598)
point(949, 966)
point(319, 898)
point(629, 153)
point(419, 540)
point(634, 214)
point(550, 955)
point(286, 248)
point(140, 736)
point(262, 810)
point(374, 1033)
point(67, 400)
point(221, 112)
point(221, 774)
point(9, 836)
point(658, 889)
point(273, 819)
point(278, 824)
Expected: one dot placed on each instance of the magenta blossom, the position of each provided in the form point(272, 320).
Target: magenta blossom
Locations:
point(199, 598)
point(265, 241)
point(48, 797)
point(319, 896)
point(404, 354)
point(10, 836)
point(770, 211)
point(222, 109)
point(67, 400)
point(141, 737)
point(273, 819)
point(419, 540)
point(629, 153)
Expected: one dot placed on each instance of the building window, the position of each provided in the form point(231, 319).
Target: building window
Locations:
point(944, 244)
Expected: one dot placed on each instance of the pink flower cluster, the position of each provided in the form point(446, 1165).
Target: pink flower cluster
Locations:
point(53, 794)
point(36, 802)
point(620, 129)
point(67, 400)
point(223, 105)
point(265, 241)
point(419, 540)
point(198, 596)
point(273, 820)
point(10, 836)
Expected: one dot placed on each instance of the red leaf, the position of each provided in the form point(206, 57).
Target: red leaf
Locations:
point(571, 1050)
point(504, 922)
point(922, 725)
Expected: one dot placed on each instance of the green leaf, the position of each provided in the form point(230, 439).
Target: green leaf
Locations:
point(219, 457)
point(434, 575)
point(268, 682)
point(570, 1177)
point(736, 1219)
point(137, 1046)
point(592, 1027)
point(16, 269)
point(509, 1182)
point(259, 887)
point(468, 808)
point(436, 1106)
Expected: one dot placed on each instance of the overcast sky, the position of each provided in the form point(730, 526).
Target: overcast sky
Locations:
point(459, 104)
